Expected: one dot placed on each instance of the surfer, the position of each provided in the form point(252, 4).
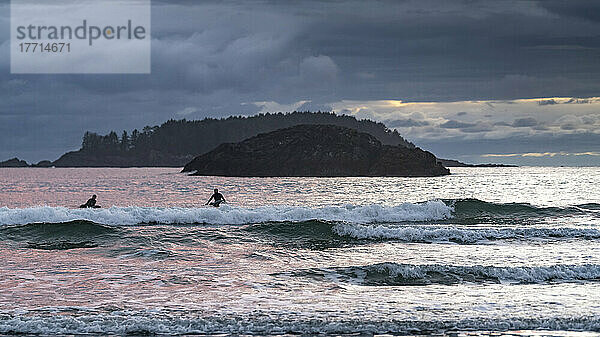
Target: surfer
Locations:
point(91, 203)
point(218, 197)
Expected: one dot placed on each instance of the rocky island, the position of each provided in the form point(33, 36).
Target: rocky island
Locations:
point(14, 162)
point(456, 163)
point(315, 151)
point(176, 142)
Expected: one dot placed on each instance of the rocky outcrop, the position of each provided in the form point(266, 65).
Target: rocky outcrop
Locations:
point(315, 151)
point(15, 162)
point(456, 163)
point(43, 163)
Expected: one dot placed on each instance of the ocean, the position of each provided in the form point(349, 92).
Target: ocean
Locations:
point(484, 251)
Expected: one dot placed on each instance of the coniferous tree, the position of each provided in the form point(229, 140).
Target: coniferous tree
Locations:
point(124, 141)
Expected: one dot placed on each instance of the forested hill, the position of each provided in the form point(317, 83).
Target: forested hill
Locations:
point(176, 142)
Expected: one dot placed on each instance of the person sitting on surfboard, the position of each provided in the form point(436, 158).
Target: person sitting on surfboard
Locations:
point(218, 197)
point(91, 203)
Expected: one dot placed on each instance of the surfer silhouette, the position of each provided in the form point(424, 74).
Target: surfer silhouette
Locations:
point(91, 203)
point(218, 197)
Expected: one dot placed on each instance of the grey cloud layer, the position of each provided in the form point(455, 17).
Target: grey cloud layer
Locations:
point(215, 58)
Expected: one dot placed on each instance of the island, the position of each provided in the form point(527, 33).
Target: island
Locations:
point(315, 151)
point(14, 162)
point(176, 142)
point(456, 163)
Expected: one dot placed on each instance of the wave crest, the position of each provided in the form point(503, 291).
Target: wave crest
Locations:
point(463, 210)
point(459, 235)
point(430, 210)
point(138, 323)
point(395, 274)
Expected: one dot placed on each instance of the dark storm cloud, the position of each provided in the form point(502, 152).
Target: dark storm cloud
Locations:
point(578, 101)
point(524, 122)
point(570, 101)
point(547, 102)
point(451, 124)
point(583, 9)
point(404, 123)
point(314, 106)
point(213, 58)
point(476, 127)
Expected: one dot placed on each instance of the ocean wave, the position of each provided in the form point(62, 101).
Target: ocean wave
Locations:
point(429, 222)
point(72, 228)
point(395, 274)
point(475, 208)
point(590, 206)
point(61, 245)
point(462, 235)
point(120, 323)
point(430, 210)
point(462, 210)
point(334, 234)
point(59, 236)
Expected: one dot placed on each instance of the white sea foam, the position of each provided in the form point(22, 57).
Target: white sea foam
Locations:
point(401, 274)
point(431, 210)
point(536, 274)
point(458, 234)
point(144, 323)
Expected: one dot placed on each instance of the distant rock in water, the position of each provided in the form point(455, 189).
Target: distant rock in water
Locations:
point(15, 162)
point(315, 151)
point(456, 163)
point(43, 163)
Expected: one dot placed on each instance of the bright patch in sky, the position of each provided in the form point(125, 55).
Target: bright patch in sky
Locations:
point(519, 124)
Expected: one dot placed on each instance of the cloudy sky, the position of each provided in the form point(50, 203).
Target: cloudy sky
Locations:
point(479, 81)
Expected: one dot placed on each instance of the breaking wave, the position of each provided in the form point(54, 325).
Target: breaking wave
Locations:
point(394, 274)
point(264, 324)
point(462, 235)
point(331, 234)
point(434, 210)
point(427, 222)
point(228, 215)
